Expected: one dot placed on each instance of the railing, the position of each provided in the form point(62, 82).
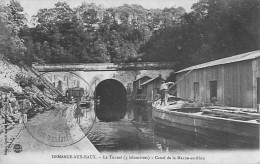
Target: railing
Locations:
point(45, 82)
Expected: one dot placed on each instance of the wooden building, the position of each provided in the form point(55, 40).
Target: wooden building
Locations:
point(232, 81)
point(75, 92)
point(151, 87)
point(137, 85)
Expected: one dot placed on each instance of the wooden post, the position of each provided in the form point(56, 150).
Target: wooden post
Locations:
point(152, 96)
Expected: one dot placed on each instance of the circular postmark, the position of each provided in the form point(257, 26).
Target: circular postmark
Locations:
point(68, 113)
point(17, 148)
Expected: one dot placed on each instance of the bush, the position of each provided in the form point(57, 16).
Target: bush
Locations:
point(24, 81)
point(41, 87)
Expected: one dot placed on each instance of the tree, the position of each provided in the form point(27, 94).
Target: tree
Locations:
point(89, 33)
point(11, 21)
point(214, 29)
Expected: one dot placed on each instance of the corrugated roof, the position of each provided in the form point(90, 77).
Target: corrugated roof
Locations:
point(148, 81)
point(232, 59)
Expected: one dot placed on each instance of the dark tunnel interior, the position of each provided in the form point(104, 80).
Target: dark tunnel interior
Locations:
point(110, 100)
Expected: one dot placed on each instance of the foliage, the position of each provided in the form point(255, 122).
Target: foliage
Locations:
point(214, 29)
point(130, 33)
point(11, 21)
point(41, 87)
point(91, 33)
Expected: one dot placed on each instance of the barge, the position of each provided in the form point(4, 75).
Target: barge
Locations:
point(229, 127)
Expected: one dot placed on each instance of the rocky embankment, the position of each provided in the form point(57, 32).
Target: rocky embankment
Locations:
point(20, 96)
point(9, 85)
point(8, 74)
point(29, 116)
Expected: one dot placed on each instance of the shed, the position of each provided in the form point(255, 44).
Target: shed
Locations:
point(151, 87)
point(137, 85)
point(232, 81)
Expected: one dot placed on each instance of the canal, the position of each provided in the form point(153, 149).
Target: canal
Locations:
point(137, 132)
point(127, 135)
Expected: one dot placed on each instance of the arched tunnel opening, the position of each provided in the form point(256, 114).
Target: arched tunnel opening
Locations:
point(111, 100)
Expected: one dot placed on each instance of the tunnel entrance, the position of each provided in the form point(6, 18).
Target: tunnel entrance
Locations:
point(111, 100)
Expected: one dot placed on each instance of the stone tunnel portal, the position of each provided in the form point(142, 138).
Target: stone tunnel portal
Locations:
point(111, 100)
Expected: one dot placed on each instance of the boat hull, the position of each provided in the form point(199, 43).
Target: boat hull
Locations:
point(227, 131)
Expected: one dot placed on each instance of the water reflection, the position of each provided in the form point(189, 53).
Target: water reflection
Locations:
point(126, 135)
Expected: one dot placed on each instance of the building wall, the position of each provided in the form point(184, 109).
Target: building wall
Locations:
point(137, 84)
point(202, 76)
point(238, 80)
point(234, 83)
point(149, 89)
point(255, 74)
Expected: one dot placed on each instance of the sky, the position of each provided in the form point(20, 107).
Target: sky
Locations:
point(32, 6)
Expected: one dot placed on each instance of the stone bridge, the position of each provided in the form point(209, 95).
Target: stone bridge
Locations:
point(111, 82)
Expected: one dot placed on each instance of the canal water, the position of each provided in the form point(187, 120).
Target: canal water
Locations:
point(127, 135)
point(137, 132)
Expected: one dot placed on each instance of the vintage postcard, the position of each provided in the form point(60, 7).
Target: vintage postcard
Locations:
point(129, 81)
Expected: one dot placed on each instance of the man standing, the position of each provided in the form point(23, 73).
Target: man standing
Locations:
point(78, 113)
point(164, 92)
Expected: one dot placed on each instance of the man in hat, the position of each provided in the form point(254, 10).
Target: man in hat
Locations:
point(164, 92)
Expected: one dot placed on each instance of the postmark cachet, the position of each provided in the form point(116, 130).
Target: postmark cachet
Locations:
point(69, 113)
